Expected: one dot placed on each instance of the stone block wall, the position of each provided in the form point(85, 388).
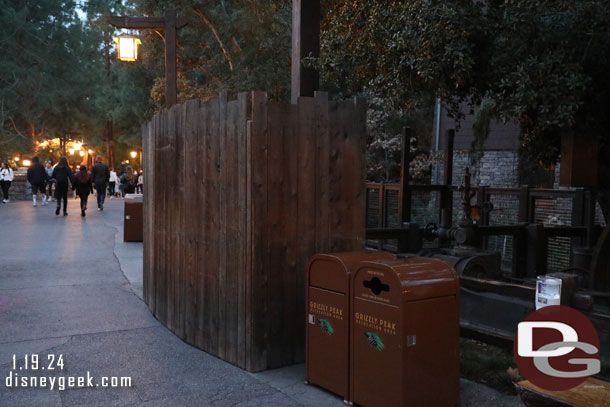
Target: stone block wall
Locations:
point(497, 169)
point(20, 189)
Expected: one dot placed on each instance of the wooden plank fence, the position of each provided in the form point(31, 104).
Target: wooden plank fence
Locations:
point(239, 195)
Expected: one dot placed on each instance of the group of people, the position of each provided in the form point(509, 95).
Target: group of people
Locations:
point(42, 180)
point(128, 181)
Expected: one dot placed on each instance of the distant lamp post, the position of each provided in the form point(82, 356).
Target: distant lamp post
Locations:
point(17, 159)
point(128, 47)
point(82, 153)
point(134, 154)
point(90, 151)
point(71, 150)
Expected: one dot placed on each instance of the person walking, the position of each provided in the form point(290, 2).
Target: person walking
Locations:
point(6, 177)
point(112, 182)
point(140, 188)
point(100, 174)
point(62, 175)
point(83, 186)
point(37, 177)
point(129, 182)
point(49, 170)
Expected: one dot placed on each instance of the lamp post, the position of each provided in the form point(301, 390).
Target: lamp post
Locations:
point(170, 24)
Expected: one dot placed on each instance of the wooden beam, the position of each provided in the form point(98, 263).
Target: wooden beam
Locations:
point(171, 82)
point(405, 193)
point(305, 41)
point(135, 23)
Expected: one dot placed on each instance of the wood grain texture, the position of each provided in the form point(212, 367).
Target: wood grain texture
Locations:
point(245, 191)
point(592, 392)
point(259, 269)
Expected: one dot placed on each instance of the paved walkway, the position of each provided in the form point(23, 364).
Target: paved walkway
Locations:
point(69, 286)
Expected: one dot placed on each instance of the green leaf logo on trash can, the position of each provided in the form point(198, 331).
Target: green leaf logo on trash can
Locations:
point(374, 341)
point(326, 327)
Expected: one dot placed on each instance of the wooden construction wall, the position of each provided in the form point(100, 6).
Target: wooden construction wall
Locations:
point(239, 194)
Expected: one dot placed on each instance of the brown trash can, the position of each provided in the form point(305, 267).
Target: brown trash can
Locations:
point(327, 325)
point(133, 226)
point(405, 334)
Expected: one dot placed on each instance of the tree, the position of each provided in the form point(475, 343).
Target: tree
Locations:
point(42, 45)
point(58, 76)
point(227, 46)
point(542, 62)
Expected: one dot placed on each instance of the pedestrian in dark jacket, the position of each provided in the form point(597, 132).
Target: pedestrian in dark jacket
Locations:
point(129, 182)
point(100, 173)
point(62, 175)
point(83, 186)
point(37, 177)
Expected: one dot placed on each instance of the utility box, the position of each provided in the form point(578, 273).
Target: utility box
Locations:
point(328, 314)
point(133, 227)
point(405, 333)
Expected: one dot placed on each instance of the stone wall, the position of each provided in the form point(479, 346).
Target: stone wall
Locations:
point(497, 169)
point(20, 189)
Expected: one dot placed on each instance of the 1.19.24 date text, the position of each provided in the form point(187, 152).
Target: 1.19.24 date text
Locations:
point(36, 362)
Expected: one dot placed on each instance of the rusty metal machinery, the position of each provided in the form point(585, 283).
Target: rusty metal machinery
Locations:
point(493, 302)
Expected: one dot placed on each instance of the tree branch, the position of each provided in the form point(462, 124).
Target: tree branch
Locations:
point(211, 27)
point(15, 127)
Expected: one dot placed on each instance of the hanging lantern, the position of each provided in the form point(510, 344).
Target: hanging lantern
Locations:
point(128, 47)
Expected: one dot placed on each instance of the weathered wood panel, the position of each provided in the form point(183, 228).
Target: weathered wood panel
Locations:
point(259, 301)
point(242, 193)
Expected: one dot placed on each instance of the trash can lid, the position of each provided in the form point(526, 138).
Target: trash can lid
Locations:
point(332, 270)
point(412, 278)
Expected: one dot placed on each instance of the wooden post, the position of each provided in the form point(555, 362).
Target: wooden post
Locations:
point(536, 250)
point(524, 204)
point(448, 176)
point(109, 136)
point(305, 41)
point(171, 87)
point(405, 193)
point(447, 201)
point(578, 219)
point(520, 259)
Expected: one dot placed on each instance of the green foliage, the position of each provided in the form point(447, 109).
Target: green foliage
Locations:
point(227, 46)
point(384, 142)
point(57, 79)
point(59, 72)
point(43, 71)
point(543, 63)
